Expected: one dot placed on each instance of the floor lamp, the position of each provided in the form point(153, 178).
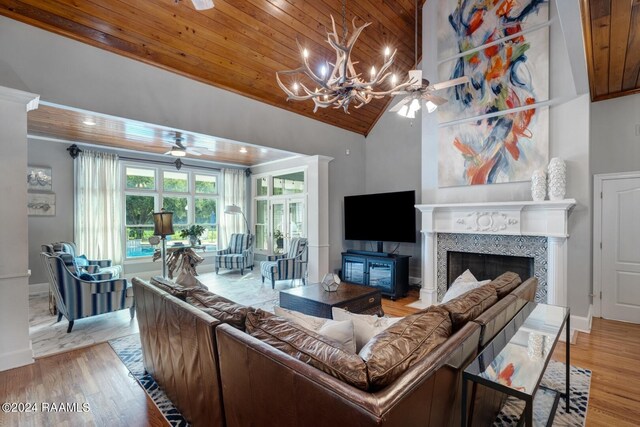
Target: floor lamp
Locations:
point(163, 227)
point(235, 210)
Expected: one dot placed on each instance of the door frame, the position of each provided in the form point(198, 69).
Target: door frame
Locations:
point(598, 183)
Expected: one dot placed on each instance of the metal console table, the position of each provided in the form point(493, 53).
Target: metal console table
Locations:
point(516, 359)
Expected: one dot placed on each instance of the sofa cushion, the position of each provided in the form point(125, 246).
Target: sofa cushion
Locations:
point(470, 305)
point(309, 347)
point(366, 326)
point(170, 287)
point(394, 350)
point(219, 307)
point(505, 283)
point(340, 331)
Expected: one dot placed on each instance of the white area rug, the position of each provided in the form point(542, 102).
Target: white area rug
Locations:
point(49, 337)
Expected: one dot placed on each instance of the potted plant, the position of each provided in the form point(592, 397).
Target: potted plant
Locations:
point(193, 232)
point(279, 238)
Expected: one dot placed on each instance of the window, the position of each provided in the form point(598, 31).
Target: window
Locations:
point(141, 179)
point(292, 183)
point(279, 210)
point(191, 196)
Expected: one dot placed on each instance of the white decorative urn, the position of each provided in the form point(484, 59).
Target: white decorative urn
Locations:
point(557, 179)
point(539, 185)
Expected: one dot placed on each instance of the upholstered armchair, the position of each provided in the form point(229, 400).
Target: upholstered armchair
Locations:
point(289, 266)
point(239, 254)
point(81, 295)
point(102, 267)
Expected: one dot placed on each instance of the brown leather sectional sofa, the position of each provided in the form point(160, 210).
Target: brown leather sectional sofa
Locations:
point(217, 374)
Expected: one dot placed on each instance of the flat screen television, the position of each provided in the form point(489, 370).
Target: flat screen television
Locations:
point(382, 217)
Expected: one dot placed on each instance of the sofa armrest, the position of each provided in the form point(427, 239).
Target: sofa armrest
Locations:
point(223, 252)
point(179, 351)
point(275, 257)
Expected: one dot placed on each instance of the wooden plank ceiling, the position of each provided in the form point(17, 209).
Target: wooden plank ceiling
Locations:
point(239, 44)
point(66, 124)
point(612, 38)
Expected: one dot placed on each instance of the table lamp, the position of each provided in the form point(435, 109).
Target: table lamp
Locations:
point(235, 210)
point(163, 227)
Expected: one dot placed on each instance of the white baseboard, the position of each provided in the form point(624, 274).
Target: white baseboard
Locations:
point(15, 359)
point(582, 323)
point(38, 288)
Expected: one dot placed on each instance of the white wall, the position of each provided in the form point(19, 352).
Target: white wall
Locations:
point(392, 163)
point(49, 229)
point(568, 139)
point(615, 135)
point(70, 73)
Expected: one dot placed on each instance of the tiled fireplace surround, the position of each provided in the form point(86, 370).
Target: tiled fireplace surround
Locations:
point(530, 229)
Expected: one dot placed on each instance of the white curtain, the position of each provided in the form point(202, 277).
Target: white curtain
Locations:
point(235, 186)
point(98, 206)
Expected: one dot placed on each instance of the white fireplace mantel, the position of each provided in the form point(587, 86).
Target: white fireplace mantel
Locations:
point(527, 218)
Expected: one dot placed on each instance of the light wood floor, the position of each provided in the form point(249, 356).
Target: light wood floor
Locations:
point(96, 376)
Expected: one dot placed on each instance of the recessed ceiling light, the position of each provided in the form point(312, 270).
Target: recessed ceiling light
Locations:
point(89, 122)
point(243, 150)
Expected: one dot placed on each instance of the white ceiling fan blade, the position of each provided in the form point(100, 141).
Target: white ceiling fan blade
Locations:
point(399, 105)
point(438, 100)
point(168, 152)
point(449, 83)
point(202, 4)
point(400, 92)
point(194, 152)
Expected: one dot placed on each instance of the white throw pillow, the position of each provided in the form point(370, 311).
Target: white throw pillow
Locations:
point(460, 288)
point(466, 277)
point(340, 331)
point(366, 326)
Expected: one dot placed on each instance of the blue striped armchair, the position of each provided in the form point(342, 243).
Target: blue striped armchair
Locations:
point(104, 267)
point(287, 266)
point(80, 296)
point(239, 254)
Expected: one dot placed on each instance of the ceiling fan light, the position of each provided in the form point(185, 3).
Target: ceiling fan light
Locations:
point(404, 111)
point(178, 152)
point(202, 4)
point(431, 107)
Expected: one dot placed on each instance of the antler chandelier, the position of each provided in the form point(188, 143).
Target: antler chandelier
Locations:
point(338, 84)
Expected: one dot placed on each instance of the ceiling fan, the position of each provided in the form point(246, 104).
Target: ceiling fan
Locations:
point(179, 149)
point(422, 90)
point(201, 4)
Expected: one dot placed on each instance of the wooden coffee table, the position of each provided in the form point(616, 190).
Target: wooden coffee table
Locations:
point(315, 301)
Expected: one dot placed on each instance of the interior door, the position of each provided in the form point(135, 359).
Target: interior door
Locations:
point(621, 249)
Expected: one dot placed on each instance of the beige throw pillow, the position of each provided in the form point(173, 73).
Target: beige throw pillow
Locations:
point(340, 331)
point(366, 326)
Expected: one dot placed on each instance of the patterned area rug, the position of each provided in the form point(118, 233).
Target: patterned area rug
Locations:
point(554, 378)
point(129, 351)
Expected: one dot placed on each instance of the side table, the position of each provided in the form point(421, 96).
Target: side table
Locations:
point(514, 362)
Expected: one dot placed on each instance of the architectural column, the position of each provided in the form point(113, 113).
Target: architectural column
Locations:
point(557, 271)
point(318, 217)
point(429, 289)
point(15, 346)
